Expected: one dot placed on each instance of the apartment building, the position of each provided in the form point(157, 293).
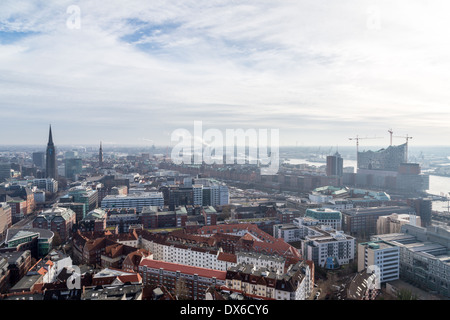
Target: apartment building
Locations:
point(328, 247)
point(183, 281)
point(320, 243)
point(263, 283)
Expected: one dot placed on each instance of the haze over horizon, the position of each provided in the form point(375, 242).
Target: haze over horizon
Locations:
point(320, 72)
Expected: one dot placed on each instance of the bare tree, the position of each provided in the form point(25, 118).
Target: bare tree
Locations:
point(181, 290)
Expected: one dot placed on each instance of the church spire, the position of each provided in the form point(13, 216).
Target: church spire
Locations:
point(100, 155)
point(51, 168)
point(50, 138)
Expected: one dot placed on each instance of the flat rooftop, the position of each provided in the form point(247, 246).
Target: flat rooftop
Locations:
point(135, 195)
point(26, 282)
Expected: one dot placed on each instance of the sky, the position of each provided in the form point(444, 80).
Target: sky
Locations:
point(132, 72)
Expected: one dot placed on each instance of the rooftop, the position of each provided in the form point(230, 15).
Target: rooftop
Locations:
point(135, 195)
point(117, 292)
point(27, 282)
point(174, 267)
point(16, 234)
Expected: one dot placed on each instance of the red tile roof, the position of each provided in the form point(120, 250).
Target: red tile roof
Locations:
point(267, 244)
point(229, 257)
point(130, 278)
point(42, 271)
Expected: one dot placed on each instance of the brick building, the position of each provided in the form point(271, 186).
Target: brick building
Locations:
point(59, 220)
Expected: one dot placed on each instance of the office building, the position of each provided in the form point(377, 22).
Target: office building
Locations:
point(180, 196)
point(326, 216)
point(153, 217)
point(73, 168)
point(197, 194)
point(381, 257)
point(137, 200)
point(48, 184)
point(5, 171)
point(394, 222)
point(122, 221)
point(38, 241)
point(39, 196)
point(424, 256)
point(362, 222)
point(58, 219)
point(77, 207)
point(82, 195)
point(335, 165)
point(423, 208)
point(39, 159)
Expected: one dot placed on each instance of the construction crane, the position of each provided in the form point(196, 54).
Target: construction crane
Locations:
point(391, 132)
point(407, 138)
point(357, 138)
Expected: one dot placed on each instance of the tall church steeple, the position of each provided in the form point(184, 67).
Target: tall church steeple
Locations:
point(51, 171)
point(100, 156)
point(50, 138)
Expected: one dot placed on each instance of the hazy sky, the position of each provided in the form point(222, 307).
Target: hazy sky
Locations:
point(127, 72)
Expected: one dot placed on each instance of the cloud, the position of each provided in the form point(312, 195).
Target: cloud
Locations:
point(309, 68)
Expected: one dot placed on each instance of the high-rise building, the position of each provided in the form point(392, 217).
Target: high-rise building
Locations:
point(198, 194)
point(423, 208)
point(39, 159)
point(50, 167)
point(73, 167)
point(335, 165)
point(5, 171)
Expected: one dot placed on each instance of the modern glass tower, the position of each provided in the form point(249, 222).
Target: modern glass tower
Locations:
point(51, 169)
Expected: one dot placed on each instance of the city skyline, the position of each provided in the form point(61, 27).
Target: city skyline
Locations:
point(128, 75)
point(244, 152)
